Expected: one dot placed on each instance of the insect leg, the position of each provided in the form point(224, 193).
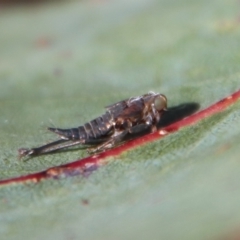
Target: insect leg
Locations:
point(48, 148)
point(116, 139)
point(110, 143)
point(140, 128)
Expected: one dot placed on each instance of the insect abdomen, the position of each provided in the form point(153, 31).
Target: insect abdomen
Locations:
point(96, 128)
point(70, 134)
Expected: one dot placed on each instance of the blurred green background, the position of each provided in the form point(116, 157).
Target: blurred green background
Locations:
point(61, 63)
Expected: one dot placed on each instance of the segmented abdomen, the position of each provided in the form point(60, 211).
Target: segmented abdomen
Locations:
point(96, 128)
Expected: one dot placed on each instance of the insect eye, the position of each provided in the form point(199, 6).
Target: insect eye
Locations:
point(160, 102)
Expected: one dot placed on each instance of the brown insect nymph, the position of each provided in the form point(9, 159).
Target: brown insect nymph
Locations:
point(128, 117)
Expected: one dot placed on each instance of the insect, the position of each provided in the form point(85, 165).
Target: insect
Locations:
point(125, 118)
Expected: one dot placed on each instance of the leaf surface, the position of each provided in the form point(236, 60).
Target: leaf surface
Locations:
point(62, 63)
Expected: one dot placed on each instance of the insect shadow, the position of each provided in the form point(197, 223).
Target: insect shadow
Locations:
point(172, 115)
point(177, 113)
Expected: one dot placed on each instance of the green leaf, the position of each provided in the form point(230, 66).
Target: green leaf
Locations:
point(60, 64)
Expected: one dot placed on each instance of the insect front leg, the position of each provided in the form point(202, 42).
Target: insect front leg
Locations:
point(150, 123)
